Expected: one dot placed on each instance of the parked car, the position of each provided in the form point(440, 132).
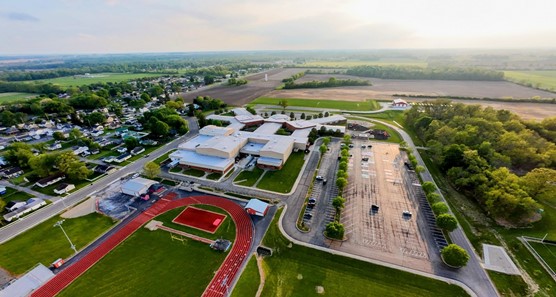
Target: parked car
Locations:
point(319, 177)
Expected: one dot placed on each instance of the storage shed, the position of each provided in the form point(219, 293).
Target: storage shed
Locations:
point(257, 207)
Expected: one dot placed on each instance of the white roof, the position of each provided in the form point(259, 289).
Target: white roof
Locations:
point(29, 282)
point(257, 205)
point(212, 130)
point(241, 111)
point(222, 118)
point(248, 118)
point(223, 143)
point(399, 101)
point(137, 185)
point(268, 128)
point(301, 124)
point(203, 161)
point(269, 161)
point(194, 142)
point(303, 133)
point(278, 118)
point(278, 145)
point(252, 148)
point(326, 120)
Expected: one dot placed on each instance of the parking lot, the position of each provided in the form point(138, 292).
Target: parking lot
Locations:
point(377, 176)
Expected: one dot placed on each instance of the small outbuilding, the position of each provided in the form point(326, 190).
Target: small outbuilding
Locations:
point(257, 207)
point(137, 186)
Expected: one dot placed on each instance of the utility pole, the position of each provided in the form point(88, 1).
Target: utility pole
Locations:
point(59, 224)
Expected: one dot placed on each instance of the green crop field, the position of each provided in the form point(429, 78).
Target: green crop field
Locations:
point(14, 97)
point(95, 78)
point(294, 270)
point(318, 103)
point(46, 243)
point(353, 63)
point(149, 263)
point(538, 79)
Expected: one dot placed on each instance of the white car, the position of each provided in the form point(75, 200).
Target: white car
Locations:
point(319, 177)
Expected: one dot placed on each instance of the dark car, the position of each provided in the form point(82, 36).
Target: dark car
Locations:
point(155, 188)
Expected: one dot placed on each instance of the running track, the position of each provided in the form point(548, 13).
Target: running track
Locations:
point(221, 281)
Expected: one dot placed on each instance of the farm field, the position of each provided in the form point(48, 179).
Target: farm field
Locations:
point(95, 78)
point(365, 105)
point(386, 88)
point(240, 95)
point(14, 96)
point(538, 79)
point(45, 243)
point(353, 63)
point(303, 269)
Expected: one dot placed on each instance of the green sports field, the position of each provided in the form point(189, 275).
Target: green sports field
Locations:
point(95, 78)
point(150, 263)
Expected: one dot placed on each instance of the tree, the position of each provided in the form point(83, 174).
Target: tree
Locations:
point(160, 129)
point(75, 133)
point(292, 115)
point(131, 143)
point(455, 255)
point(433, 198)
point(439, 208)
point(344, 152)
point(251, 110)
point(78, 171)
point(145, 97)
point(428, 187)
point(343, 166)
point(335, 230)
point(156, 91)
point(326, 114)
point(64, 161)
point(151, 169)
point(58, 135)
point(208, 79)
point(446, 222)
point(283, 103)
point(342, 173)
point(419, 169)
point(95, 118)
point(323, 148)
point(341, 183)
point(540, 182)
point(302, 116)
point(347, 139)
point(338, 203)
point(43, 164)
point(326, 140)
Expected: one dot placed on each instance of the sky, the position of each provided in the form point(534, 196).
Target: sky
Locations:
point(122, 26)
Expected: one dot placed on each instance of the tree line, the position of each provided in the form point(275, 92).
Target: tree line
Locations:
point(414, 72)
point(491, 155)
point(330, 83)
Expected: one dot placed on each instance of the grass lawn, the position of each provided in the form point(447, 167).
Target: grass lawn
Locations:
point(45, 243)
point(50, 189)
point(14, 97)
point(168, 182)
point(296, 271)
point(547, 253)
point(282, 180)
point(194, 172)
point(149, 263)
point(13, 194)
point(176, 169)
point(103, 154)
point(163, 157)
point(226, 230)
point(21, 179)
point(249, 282)
point(538, 79)
point(316, 103)
point(95, 78)
point(506, 284)
point(214, 176)
point(249, 178)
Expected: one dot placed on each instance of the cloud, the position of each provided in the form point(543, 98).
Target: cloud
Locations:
point(20, 16)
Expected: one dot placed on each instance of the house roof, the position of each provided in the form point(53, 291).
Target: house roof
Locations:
point(50, 178)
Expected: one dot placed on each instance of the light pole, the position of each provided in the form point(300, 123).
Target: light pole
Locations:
point(59, 224)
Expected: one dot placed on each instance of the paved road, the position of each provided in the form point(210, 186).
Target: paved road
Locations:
point(473, 275)
point(51, 210)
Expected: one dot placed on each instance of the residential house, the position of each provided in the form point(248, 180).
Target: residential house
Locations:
point(50, 180)
point(77, 150)
point(64, 188)
point(121, 150)
point(122, 158)
point(54, 146)
point(11, 172)
point(13, 205)
point(137, 150)
point(104, 169)
point(30, 205)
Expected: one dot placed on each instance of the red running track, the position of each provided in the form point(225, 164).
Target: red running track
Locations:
point(220, 283)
